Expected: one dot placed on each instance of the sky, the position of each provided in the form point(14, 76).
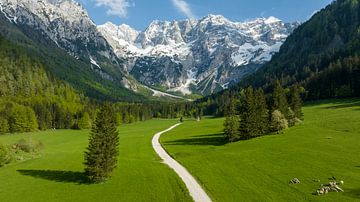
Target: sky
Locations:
point(140, 13)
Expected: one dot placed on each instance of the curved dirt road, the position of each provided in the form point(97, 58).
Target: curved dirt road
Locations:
point(196, 191)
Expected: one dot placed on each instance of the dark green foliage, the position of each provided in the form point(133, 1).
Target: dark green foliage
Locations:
point(181, 119)
point(232, 122)
point(279, 101)
point(253, 118)
point(253, 113)
point(102, 152)
point(248, 114)
point(84, 122)
point(4, 125)
point(262, 112)
point(295, 102)
point(291, 118)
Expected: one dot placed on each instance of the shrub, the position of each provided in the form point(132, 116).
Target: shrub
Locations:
point(28, 146)
point(5, 156)
point(278, 121)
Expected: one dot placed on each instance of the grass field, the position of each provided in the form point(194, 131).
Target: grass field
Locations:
point(57, 174)
point(327, 144)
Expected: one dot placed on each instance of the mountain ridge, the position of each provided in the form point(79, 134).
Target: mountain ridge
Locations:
point(201, 56)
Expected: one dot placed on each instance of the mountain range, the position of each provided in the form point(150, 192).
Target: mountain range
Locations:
point(120, 63)
point(197, 56)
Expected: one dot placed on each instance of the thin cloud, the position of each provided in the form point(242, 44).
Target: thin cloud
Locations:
point(184, 7)
point(115, 7)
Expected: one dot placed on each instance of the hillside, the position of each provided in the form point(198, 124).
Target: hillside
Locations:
point(63, 66)
point(322, 54)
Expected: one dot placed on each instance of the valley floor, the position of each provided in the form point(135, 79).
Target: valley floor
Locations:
point(326, 144)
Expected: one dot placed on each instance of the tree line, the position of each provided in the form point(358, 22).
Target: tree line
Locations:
point(251, 113)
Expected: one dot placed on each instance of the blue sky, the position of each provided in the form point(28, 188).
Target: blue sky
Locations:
point(140, 13)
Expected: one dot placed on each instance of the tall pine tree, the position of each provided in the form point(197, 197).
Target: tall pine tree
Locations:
point(232, 121)
point(248, 128)
point(279, 101)
point(295, 102)
point(262, 113)
point(102, 152)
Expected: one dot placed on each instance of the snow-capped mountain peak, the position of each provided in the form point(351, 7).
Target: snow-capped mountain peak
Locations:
point(215, 50)
point(272, 19)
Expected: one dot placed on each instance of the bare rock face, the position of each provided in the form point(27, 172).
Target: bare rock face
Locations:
point(331, 187)
point(203, 56)
point(295, 181)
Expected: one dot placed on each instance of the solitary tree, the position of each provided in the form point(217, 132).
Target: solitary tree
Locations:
point(102, 152)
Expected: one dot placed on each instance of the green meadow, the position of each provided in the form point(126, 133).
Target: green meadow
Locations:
point(57, 175)
point(325, 145)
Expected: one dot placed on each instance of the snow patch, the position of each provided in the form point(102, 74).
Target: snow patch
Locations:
point(93, 62)
point(157, 93)
point(272, 20)
point(10, 18)
point(184, 88)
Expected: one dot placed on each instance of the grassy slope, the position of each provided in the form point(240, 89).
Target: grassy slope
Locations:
point(327, 144)
point(54, 176)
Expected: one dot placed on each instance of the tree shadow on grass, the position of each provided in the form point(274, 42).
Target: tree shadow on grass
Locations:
point(344, 105)
point(212, 140)
point(57, 175)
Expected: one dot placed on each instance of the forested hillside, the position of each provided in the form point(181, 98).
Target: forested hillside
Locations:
point(31, 98)
point(322, 54)
point(77, 72)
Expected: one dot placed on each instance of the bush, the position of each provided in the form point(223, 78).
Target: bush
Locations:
point(28, 146)
point(5, 156)
point(278, 121)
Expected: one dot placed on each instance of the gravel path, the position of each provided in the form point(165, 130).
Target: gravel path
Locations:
point(196, 191)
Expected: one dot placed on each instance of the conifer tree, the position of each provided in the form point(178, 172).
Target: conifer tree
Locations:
point(85, 121)
point(295, 102)
point(262, 113)
point(279, 101)
point(119, 119)
point(248, 128)
point(232, 121)
point(102, 152)
point(292, 120)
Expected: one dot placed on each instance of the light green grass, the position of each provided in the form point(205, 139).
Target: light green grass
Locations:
point(327, 144)
point(54, 176)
